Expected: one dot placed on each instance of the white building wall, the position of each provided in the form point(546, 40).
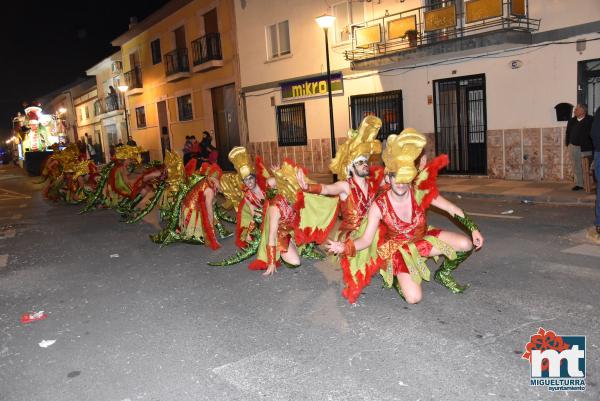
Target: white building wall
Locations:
point(519, 99)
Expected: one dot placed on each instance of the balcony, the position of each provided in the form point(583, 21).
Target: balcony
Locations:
point(424, 34)
point(109, 106)
point(206, 52)
point(133, 78)
point(177, 65)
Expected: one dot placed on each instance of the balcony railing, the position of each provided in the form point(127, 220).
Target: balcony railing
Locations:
point(112, 103)
point(207, 48)
point(133, 78)
point(177, 61)
point(422, 26)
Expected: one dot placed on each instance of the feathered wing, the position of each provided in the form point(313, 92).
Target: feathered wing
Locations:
point(232, 188)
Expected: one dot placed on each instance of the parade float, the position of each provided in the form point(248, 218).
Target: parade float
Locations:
point(34, 134)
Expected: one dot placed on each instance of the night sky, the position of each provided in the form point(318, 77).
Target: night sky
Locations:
point(46, 45)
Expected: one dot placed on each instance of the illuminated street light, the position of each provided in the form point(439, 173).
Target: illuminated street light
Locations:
point(62, 110)
point(326, 21)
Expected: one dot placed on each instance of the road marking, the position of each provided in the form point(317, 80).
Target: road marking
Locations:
point(3, 260)
point(10, 233)
point(585, 249)
point(6, 194)
point(496, 216)
point(13, 217)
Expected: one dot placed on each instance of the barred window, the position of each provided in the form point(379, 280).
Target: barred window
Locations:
point(291, 125)
point(184, 106)
point(385, 105)
point(140, 117)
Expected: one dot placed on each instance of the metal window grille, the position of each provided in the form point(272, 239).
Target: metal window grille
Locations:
point(385, 105)
point(291, 125)
point(460, 123)
point(184, 105)
point(140, 116)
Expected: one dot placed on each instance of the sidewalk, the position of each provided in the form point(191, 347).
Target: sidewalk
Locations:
point(511, 190)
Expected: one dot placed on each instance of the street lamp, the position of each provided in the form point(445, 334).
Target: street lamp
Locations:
point(123, 89)
point(62, 110)
point(326, 21)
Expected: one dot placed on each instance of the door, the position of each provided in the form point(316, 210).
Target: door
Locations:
point(180, 38)
point(210, 22)
point(227, 134)
point(461, 123)
point(163, 126)
point(134, 60)
point(588, 88)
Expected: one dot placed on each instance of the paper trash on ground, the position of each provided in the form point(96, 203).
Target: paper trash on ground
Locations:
point(46, 343)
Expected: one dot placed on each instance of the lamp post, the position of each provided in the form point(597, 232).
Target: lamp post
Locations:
point(123, 89)
point(326, 21)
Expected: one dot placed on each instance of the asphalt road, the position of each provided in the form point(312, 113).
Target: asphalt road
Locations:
point(158, 324)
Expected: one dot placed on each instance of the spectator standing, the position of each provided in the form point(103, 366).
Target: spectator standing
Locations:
point(579, 141)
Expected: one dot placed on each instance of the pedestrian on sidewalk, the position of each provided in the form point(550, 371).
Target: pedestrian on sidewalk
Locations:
point(579, 141)
point(595, 134)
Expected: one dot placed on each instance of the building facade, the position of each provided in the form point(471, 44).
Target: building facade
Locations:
point(480, 78)
point(181, 70)
point(109, 115)
point(60, 103)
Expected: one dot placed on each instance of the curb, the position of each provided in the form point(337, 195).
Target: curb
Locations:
point(551, 200)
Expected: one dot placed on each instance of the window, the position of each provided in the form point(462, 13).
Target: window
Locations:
point(278, 40)
point(385, 105)
point(155, 49)
point(184, 106)
point(140, 117)
point(87, 112)
point(347, 13)
point(291, 125)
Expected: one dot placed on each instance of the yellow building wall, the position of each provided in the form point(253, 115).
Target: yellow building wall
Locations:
point(199, 84)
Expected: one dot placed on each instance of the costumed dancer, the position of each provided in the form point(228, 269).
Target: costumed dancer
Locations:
point(405, 240)
point(289, 215)
point(191, 217)
point(357, 188)
point(245, 193)
point(114, 184)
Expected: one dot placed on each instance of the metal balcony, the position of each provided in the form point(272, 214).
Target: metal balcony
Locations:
point(177, 64)
point(206, 52)
point(414, 34)
point(133, 79)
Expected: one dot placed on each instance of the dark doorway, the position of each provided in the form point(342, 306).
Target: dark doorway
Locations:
point(588, 88)
point(211, 24)
point(163, 125)
point(461, 123)
point(385, 105)
point(180, 42)
point(225, 116)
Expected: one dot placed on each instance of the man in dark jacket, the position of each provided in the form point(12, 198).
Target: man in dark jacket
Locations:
point(579, 141)
point(596, 142)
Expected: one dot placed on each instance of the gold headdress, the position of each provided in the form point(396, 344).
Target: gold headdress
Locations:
point(401, 152)
point(81, 168)
point(66, 156)
point(360, 143)
point(239, 157)
point(287, 183)
point(128, 152)
point(175, 171)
